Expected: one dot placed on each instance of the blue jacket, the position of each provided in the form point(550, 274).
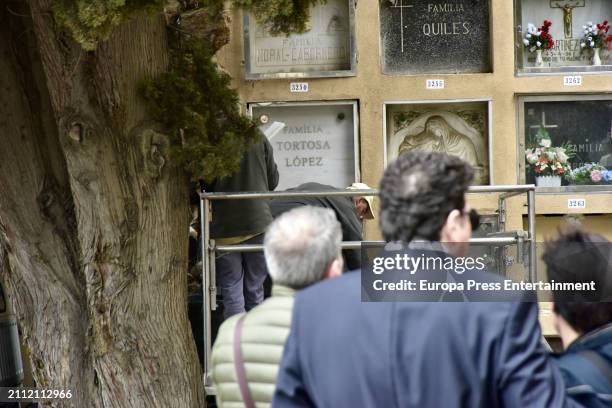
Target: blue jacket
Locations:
point(584, 380)
point(342, 352)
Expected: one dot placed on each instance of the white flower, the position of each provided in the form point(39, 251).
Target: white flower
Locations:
point(582, 45)
point(528, 35)
point(539, 44)
point(545, 142)
point(586, 32)
point(561, 156)
point(532, 49)
point(584, 27)
point(592, 44)
point(526, 42)
point(539, 33)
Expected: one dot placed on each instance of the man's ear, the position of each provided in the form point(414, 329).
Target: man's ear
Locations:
point(335, 268)
point(452, 223)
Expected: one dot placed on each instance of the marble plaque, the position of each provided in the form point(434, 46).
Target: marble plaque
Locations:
point(421, 36)
point(317, 143)
point(584, 126)
point(568, 18)
point(325, 47)
point(460, 129)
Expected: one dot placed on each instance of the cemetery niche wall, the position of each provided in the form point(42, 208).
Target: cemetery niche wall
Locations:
point(570, 19)
point(458, 128)
point(319, 142)
point(326, 49)
point(420, 36)
point(566, 141)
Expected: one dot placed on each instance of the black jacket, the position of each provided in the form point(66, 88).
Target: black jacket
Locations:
point(588, 377)
point(258, 172)
point(342, 206)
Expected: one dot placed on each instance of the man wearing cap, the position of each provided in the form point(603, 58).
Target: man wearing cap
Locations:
point(350, 211)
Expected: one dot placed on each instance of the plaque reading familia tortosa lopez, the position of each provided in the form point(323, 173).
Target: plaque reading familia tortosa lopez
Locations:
point(317, 143)
point(421, 36)
point(326, 46)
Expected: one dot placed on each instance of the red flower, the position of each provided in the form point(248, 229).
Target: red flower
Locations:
point(605, 22)
point(547, 23)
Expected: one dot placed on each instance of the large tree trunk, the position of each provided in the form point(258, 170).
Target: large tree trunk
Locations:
point(93, 215)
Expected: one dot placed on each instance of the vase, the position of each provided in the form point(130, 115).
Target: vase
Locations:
point(548, 181)
point(539, 62)
point(596, 59)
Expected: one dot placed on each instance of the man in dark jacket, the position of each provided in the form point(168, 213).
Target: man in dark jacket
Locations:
point(584, 319)
point(240, 276)
point(349, 212)
point(342, 352)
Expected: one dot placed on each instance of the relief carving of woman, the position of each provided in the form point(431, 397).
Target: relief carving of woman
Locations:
point(432, 132)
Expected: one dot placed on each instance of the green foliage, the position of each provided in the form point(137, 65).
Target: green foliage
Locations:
point(201, 112)
point(193, 99)
point(93, 20)
point(280, 16)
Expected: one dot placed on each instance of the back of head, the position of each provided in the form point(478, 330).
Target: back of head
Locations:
point(301, 244)
point(579, 257)
point(418, 191)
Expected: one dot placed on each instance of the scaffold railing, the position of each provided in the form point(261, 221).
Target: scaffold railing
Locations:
point(210, 249)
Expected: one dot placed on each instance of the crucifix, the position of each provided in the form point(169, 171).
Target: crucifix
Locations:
point(400, 5)
point(567, 7)
point(543, 124)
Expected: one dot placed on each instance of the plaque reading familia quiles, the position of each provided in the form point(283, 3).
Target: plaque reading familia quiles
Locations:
point(421, 36)
point(325, 49)
point(316, 144)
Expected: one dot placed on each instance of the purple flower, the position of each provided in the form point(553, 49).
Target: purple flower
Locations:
point(607, 175)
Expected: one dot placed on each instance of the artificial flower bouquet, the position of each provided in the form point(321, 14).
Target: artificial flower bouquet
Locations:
point(548, 161)
point(538, 38)
point(590, 173)
point(596, 36)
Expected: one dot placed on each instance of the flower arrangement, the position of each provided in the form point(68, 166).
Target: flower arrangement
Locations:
point(548, 161)
point(590, 173)
point(538, 38)
point(595, 36)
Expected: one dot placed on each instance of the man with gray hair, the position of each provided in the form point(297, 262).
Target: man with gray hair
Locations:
point(301, 247)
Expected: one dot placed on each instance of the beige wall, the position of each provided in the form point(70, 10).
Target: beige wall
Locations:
point(371, 88)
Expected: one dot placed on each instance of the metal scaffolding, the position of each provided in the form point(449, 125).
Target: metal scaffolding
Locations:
point(520, 238)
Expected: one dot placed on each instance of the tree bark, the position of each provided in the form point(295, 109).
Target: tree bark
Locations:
point(93, 215)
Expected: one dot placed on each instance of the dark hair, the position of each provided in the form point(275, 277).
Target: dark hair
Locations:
point(418, 191)
point(580, 257)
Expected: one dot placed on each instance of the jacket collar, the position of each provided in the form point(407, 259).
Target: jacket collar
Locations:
point(282, 291)
point(593, 339)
